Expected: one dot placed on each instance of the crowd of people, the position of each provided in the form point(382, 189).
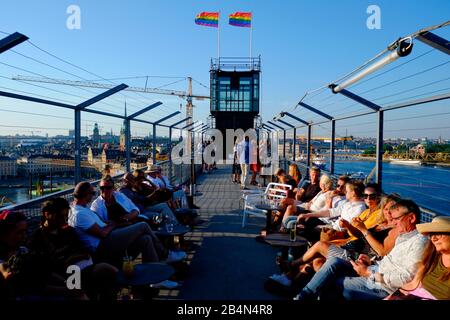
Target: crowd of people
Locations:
point(361, 244)
point(95, 232)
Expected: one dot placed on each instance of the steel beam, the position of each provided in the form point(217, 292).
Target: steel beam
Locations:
point(275, 125)
point(295, 144)
point(310, 108)
point(435, 41)
point(294, 117)
point(167, 117)
point(101, 96)
point(177, 123)
point(358, 99)
point(37, 100)
point(150, 107)
point(11, 41)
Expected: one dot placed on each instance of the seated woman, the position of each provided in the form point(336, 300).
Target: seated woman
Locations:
point(318, 203)
point(59, 246)
point(371, 219)
point(432, 281)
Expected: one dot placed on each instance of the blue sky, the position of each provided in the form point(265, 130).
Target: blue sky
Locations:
point(303, 45)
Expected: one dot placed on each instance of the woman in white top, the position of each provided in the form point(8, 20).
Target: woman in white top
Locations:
point(318, 203)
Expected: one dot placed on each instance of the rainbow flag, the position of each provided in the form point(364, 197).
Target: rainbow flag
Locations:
point(209, 19)
point(241, 19)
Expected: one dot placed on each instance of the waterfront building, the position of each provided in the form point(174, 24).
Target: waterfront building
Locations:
point(8, 167)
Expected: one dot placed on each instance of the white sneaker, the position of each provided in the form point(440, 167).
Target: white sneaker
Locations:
point(282, 279)
point(166, 284)
point(175, 256)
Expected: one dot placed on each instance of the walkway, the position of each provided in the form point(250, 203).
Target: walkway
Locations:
point(228, 263)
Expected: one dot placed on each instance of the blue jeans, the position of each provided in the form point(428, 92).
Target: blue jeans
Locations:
point(289, 222)
point(360, 288)
point(324, 280)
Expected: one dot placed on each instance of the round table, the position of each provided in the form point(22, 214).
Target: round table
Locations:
point(178, 230)
point(268, 207)
point(283, 240)
point(146, 274)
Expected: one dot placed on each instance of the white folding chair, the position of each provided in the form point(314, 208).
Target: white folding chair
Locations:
point(274, 191)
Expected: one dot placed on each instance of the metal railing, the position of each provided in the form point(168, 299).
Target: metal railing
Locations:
point(426, 214)
point(32, 208)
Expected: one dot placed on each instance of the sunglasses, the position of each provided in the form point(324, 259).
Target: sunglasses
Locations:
point(106, 188)
point(372, 196)
point(438, 235)
point(399, 217)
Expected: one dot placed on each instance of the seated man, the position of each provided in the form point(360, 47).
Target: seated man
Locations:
point(115, 206)
point(108, 241)
point(59, 247)
point(153, 201)
point(360, 280)
point(309, 190)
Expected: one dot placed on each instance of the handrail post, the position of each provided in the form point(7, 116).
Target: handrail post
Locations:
point(379, 149)
point(77, 171)
point(332, 145)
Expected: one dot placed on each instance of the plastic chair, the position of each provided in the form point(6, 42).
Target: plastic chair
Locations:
point(274, 191)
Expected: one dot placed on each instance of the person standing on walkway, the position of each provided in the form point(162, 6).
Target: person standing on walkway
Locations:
point(244, 160)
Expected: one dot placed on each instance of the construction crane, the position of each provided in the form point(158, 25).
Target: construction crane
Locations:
point(88, 84)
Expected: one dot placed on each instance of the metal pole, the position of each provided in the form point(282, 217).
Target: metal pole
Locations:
point(379, 159)
point(308, 147)
point(284, 150)
point(332, 145)
point(170, 154)
point(77, 173)
point(192, 189)
point(128, 144)
point(154, 144)
point(295, 144)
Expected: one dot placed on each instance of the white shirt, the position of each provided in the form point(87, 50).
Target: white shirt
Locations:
point(156, 181)
point(167, 182)
point(99, 207)
point(400, 265)
point(82, 219)
point(347, 211)
point(318, 202)
point(240, 148)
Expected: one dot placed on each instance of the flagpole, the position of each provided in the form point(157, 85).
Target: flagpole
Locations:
point(218, 40)
point(251, 32)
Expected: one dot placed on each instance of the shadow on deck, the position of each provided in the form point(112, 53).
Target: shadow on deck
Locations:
point(227, 264)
